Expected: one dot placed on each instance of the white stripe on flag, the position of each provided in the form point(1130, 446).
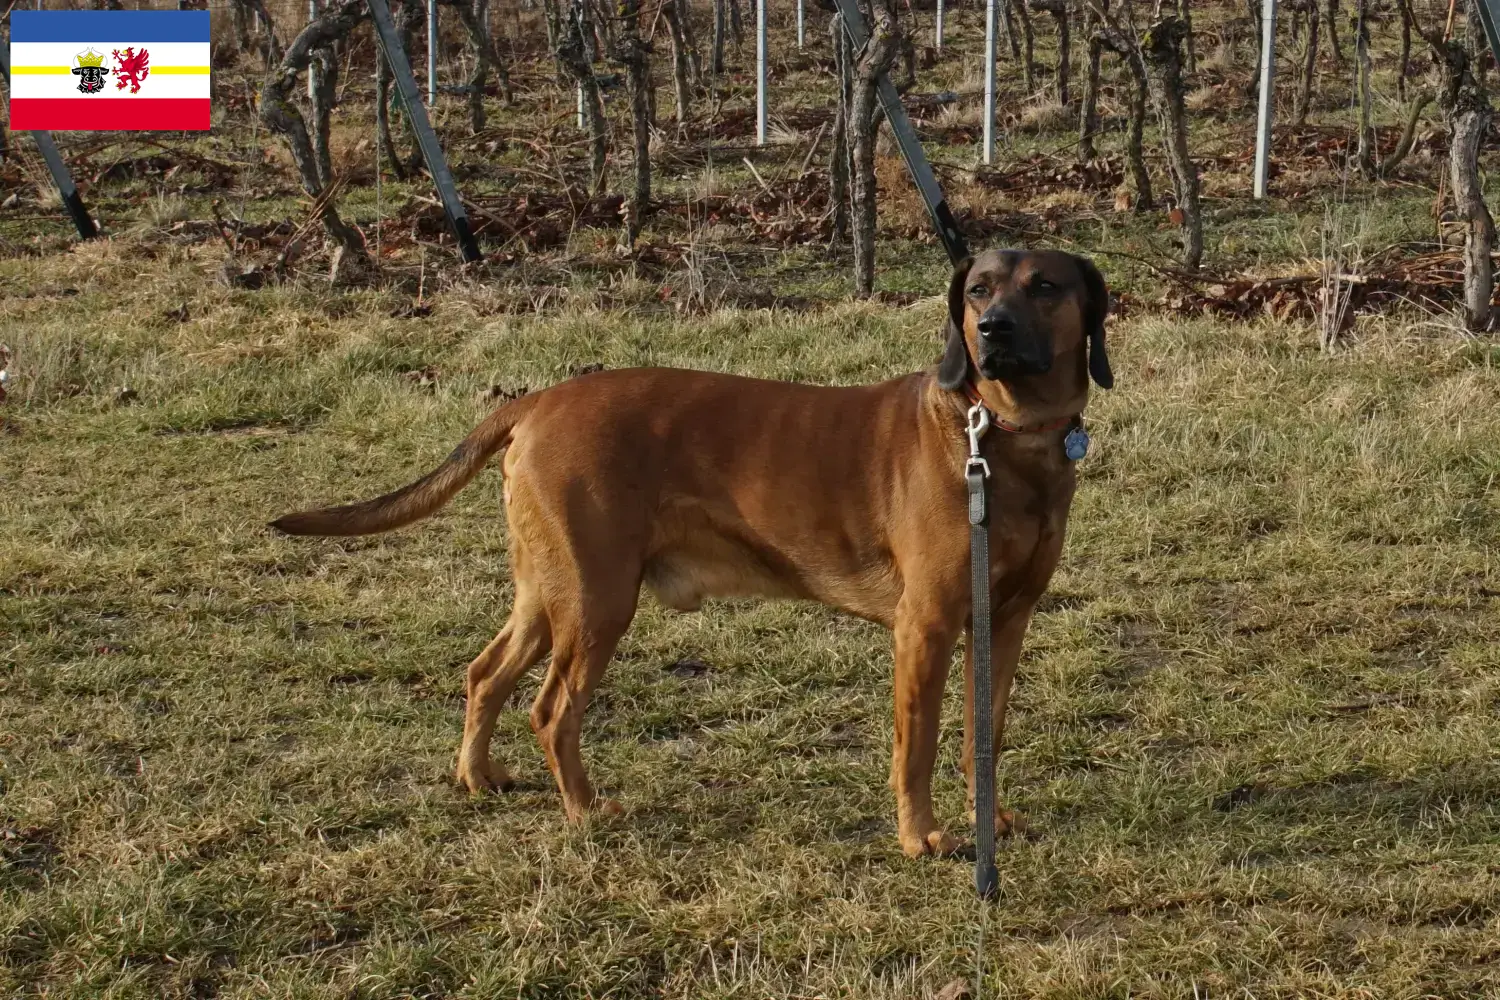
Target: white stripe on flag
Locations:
point(23, 87)
point(60, 55)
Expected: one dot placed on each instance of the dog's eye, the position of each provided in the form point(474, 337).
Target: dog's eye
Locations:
point(978, 291)
point(1043, 287)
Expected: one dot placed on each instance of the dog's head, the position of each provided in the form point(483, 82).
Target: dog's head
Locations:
point(1013, 313)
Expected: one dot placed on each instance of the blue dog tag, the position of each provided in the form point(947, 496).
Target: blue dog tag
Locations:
point(1076, 444)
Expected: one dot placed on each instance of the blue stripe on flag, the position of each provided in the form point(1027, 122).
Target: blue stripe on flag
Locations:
point(109, 26)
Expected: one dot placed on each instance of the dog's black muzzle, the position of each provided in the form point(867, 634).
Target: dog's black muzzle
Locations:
point(1010, 347)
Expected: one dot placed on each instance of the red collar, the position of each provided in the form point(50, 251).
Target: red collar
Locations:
point(1006, 425)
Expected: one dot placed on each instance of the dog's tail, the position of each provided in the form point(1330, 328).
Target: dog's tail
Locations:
point(417, 500)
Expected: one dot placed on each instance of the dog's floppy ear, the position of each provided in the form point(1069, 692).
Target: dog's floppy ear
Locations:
point(1095, 308)
point(953, 371)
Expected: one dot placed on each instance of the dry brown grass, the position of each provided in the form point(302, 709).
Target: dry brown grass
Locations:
point(1266, 673)
point(1047, 115)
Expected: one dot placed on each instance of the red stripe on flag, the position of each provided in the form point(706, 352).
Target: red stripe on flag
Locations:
point(84, 115)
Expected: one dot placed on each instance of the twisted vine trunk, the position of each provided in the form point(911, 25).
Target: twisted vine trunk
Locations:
point(408, 18)
point(1162, 49)
point(325, 75)
point(1258, 32)
point(1059, 11)
point(383, 116)
point(1467, 108)
point(1309, 66)
point(1478, 44)
point(479, 36)
point(1088, 119)
point(1404, 70)
point(716, 57)
point(1123, 43)
point(1408, 136)
point(1470, 122)
point(1028, 53)
point(1135, 153)
point(1333, 32)
point(634, 53)
point(684, 12)
point(599, 31)
point(1362, 69)
point(501, 64)
point(876, 57)
point(475, 15)
point(572, 29)
point(682, 87)
point(279, 114)
point(241, 20)
point(1185, 12)
point(270, 46)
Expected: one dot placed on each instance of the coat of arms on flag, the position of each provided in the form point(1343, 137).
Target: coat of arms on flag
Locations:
point(90, 67)
point(109, 69)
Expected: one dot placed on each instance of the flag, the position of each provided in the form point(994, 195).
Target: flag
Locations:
point(106, 70)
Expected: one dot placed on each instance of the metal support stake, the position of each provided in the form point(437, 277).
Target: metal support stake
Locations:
point(576, 12)
point(760, 72)
point(416, 113)
point(906, 138)
point(989, 81)
point(60, 175)
point(938, 31)
point(432, 50)
point(314, 75)
point(1489, 16)
point(801, 17)
point(1267, 94)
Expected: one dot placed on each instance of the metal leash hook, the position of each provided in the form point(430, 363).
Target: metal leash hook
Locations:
point(976, 473)
point(979, 422)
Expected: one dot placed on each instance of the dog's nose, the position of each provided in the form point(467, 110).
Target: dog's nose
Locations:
point(996, 322)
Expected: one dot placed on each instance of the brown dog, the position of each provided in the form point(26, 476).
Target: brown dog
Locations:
point(701, 485)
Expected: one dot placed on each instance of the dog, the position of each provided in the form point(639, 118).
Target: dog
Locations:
point(697, 485)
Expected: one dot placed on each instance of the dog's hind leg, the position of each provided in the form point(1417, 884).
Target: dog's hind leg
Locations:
point(581, 652)
point(492, 677)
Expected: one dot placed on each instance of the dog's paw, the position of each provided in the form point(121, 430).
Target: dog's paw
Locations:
point(1007, 823)
point(478, 778)
point(599, 809)
point(935, 843)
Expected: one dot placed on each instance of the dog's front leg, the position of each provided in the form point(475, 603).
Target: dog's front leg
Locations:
point(924, 649)
point(1009, 630)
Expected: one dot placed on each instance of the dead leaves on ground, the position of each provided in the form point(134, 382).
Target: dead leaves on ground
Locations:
point(1431, 281)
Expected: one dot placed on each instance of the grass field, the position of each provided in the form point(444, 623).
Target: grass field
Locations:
point(1254, 729)
point(1254, 726)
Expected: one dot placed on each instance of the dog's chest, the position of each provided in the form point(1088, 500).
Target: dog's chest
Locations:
point(1027, 523)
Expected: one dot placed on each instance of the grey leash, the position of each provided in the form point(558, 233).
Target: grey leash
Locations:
point(976, 472)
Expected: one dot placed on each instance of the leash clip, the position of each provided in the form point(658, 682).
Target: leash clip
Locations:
point(979, 422)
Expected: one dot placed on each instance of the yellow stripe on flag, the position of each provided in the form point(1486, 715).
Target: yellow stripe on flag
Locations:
point(179, 70)
point(41, 70)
